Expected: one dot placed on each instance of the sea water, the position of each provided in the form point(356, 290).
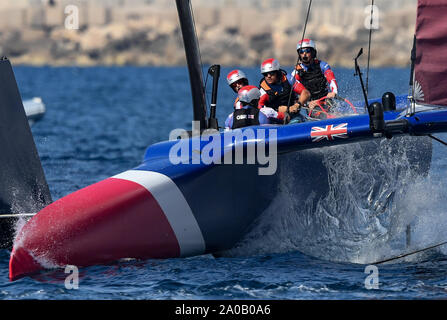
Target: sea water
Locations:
point(99, 122)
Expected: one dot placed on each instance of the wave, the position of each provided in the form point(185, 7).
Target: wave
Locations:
point(353, 203)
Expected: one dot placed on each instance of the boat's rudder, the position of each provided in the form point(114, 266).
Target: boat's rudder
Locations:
point(23, 187)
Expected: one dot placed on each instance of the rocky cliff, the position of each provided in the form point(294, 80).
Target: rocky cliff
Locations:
point(229, 36)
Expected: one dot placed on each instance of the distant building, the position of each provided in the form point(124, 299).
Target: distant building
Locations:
point(261, 4)
point(50, 13)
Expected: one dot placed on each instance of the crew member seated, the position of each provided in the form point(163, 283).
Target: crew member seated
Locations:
point(237, 79)
point(316, 76)
point(277, 92)
point(249, 114)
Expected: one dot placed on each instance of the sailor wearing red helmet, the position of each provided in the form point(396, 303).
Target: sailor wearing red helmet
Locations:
point(249, 114)
point(316, 75)
point(276, 89)
point(236, 80)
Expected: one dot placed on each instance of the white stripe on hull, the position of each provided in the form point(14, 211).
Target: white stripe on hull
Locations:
point(174, 206)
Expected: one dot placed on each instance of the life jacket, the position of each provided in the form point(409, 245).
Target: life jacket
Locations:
point(314, 80)
point(245, 117)
point(277, 99)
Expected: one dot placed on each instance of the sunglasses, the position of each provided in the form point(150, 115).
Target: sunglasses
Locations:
point(306, 50)
point(240, 81)
point(270, 73)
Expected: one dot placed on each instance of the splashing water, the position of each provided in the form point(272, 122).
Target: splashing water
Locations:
point(352, 203)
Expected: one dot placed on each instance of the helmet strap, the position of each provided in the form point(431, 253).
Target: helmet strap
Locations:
point(254, 103)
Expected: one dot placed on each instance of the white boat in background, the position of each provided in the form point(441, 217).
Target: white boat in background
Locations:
point(34, 109)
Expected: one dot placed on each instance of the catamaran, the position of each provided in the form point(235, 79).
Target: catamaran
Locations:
point(166, 208)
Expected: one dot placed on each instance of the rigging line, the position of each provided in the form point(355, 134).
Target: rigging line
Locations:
point(411, 253)
point(307, 19)
point(369, 45)
point(16, 215)
point(437, 139)
point(298, 59)
point(431, 108)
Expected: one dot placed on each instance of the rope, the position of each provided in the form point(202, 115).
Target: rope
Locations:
point(411, 253)
point(348, 102)
point(298, 59)
point(437, 139)
point(305, 24)
point(320, 101)
point(369, 45)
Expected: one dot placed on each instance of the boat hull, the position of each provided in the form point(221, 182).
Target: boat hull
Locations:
point(162, 210)
point(143, 214)
point(140, 214)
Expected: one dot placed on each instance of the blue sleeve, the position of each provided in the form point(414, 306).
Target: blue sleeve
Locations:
point(229, 121)
point(324, 66)
point(291, 78)
point(263, 118)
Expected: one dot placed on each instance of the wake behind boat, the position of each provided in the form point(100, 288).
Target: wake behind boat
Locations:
point(165, 208)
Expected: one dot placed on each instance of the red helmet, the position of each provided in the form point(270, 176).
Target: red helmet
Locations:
point(270, 65)
point(234, 76)
point(249, 93)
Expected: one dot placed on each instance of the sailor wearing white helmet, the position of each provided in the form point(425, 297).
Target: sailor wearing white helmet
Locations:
point(249, 114)
point(276, 89)
point(316, 75)
point(236, 80)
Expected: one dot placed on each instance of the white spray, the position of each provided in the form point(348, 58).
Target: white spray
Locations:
point(358, 209)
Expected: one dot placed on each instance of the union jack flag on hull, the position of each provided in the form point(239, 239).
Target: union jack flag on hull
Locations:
point(329, 132)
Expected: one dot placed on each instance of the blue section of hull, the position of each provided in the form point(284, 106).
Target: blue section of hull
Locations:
point(227, 198)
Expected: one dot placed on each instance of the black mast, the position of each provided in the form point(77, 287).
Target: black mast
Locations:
point(193, 59)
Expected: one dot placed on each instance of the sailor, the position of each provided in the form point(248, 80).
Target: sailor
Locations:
point(316, 75)
point(249, 114)
point(236, 80)
point(276, 89)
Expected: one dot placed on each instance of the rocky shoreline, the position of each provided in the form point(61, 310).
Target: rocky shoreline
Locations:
point(156, 41)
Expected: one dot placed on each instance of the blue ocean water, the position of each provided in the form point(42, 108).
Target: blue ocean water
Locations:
point(99, 122)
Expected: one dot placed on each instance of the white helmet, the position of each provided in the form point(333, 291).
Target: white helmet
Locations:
point(249, 93)
point(306, 43)
point(270, 65)
point(234, 76)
